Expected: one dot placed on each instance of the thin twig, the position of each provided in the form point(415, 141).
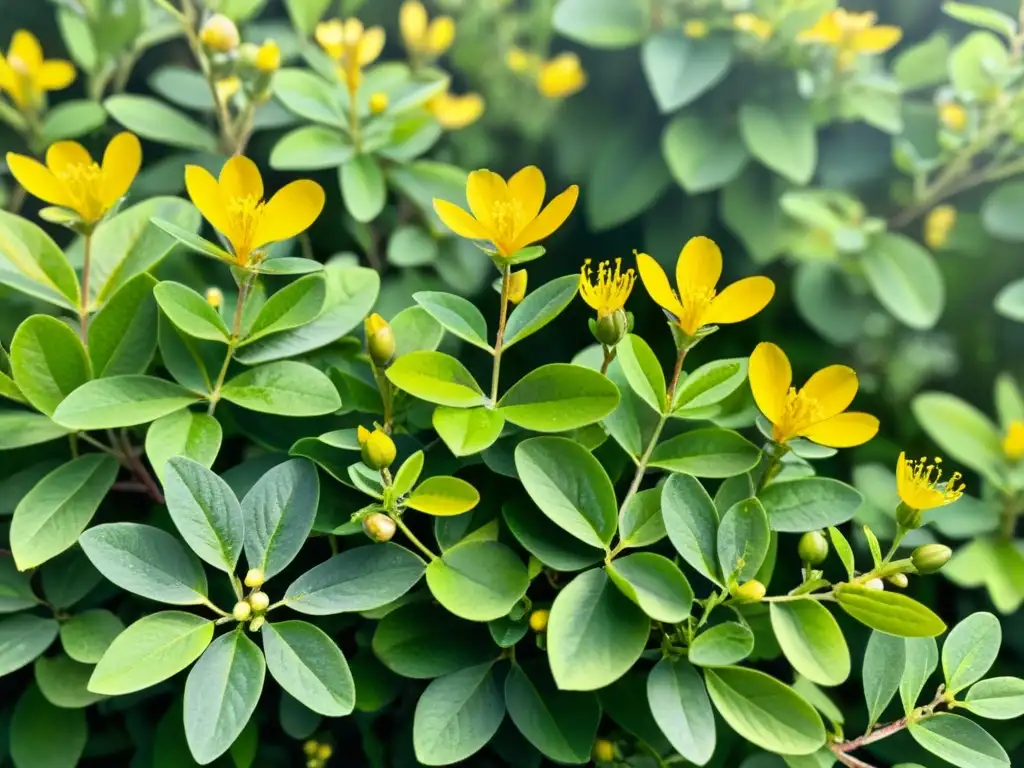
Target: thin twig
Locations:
point(499, 339)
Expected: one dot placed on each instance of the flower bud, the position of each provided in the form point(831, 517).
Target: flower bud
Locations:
point(254, 578)
point(268, 57)
point(930, 557)
point(380, 340)
point(378, 448)
point(378, 102)
point(898, 580)
point(248, 53)
point(908, 518)
point(813, 548)
point(539, 619)
point(604, 751)
point(259, 601)
point(876, 584)
point(214, 297)
point(379, 527)
point(750, 591)
point(310, 748)
point(611, 329)
point(517, 286)
point(220, 34)
point(324, 751)
point(242, 611)
point(256, 624)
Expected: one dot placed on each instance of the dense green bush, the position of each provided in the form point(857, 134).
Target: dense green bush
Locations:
point(484, 519)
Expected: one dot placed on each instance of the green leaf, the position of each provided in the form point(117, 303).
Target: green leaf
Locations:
point(49, 518)
point(478, 580)
point(570, 486)
point(87, 635)
point(306, 663)
point(701, 392)
point(30, 262)
point(221, 693)
point(151, 650)
point(962, 432)
point(625, 178)
point(999, 212)
point(642, 523)
point(191, 434)
point(843, 549)
point(959, 741)
point(190, 312)
point(558, 397)
point(310, 96)
point(423, 180)
point(1009, 301)
point(63, 681)
point(782, 136)
point(981, 16)
point(546, 541)
point(467, 430)
point(643, 371)
point(293, 306)
point(458, 316)
point(121, 401)
point(23, 637)
point(997, 698)
point(921, 656)
point(363, 188)
point(680, 69)
point(19, 429)
point(680, 705)
point(540, 307)
point(48, 362)
point(443, 496)
point(905, 278)
point(153, 119)
point(359, 579)
point(701, 152)
point(601, 23)
point(311, 148)
point(889, 612)
point(923, 64)
point(884, 661)
point(408, 474)
point(411, 246)
point(34, 727)
point(722, 645)
point(122, 335)
point(194, 242)
point(560, 724)
point(71, 119)
point(970, 650)
point(812, 641)
point(421, 640)
point(147, 561)
point(306, 13)
point(457, 715)
point(278, 512)
point(764, 711)
point(743, 538)
point(809, 503)
point(692, 523)
point(205, 511)
point(654, 583)
point(710, 452)
point(595, 634)
point(436, 378)
point(15, 588)
point(283, 388)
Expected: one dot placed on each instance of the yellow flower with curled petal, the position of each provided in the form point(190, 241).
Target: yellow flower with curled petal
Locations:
point(695, 302)
point(422, 36)
point(454, 112)
point(507, 214)
point(351, 46)
point(938, 224)
point(25, 76)
point(754, 25)
point(561, 76)
point(1013, 441)
point(817, 410)
point(851, 34)
point(608, 294)
point(918, 484)
point(72, 179)
point(234, 205)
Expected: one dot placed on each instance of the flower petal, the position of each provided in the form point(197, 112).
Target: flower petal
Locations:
point(656, 282)
point(62, 155)
point(38, 180)
point(483, 190)
point(8, 80)
point(291, 210)
point(699, 265)
point(412, 22)
point(526, 187)
point(740, 301)
point(843, 431)
point(370, 45)
point(25, 46)
point(56, 74)
point(832, 388)
point(770, 378)
point(876, 39)
point(240, 178)
point(460, 221)
point(121, 162)
point(551, 218)
point(206, 196)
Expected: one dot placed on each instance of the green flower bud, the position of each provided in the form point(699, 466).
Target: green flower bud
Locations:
point(256, 624)
point(749, 592)
point(908, 518)
point(877, 584)
point(379, 527)
point(813, 548)
point(254, 578)
point(242, 611)
point(930, 557)
point(898, 580)
point(259, 601)
point(380, 340)
point(378, 449)
point(611, 329)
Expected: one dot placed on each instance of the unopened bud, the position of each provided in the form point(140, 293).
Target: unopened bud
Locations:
point(930, 557)
point(517, 286)
point(611, 329)
point(877, 584)
point(214, 297)
point(220, 34)
point(248, 53)
point(259, 601)
point(254, 578)
point(310, 748)
point(898, 580)
point(379, 527)
point(268, 57)
point(750, 592)
point(380, 340)
point(908, 518)
point(604, 751)
point(256, 624)
point(378, 102)
point(539, 619)
point(813, 548)
point(324, 751)
point(378, 449)
point(242, 611)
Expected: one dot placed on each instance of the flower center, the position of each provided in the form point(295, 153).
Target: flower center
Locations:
point(924, 483)
point(245, 213)
point(611, 289)
point(505, 215)
point(695, 301)
point(82, 183)
point(799, 412)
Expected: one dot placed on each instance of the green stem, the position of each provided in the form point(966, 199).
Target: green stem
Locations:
point(355, 130)
point(205, 601)
point(83, 301)
point(774, 465)
point(412, 537)
point(609, 356)
point(236, 331)
point(499, 339)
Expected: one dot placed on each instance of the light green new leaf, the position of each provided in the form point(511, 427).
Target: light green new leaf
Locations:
point(48, 362)
point(283, 388)
point(997, 698)
point(970, 650)
point(710, 452)
point(812, 641)
point(889, 612)
point(306, 663)
point(467, 430)
point(278, 512)
point(701, 392)
point(19, 429)
point(959, 741)
point(30, 262)
point(654, 583)
point(680, 705)
point(408, 474)
point(311, 148)
point(291, 307)
point(194, 242)
point(457, 715)
point(205, 511)
point(443, 496)
point(121, 401)
point(191, 434)
point(458, 315)
point(643, 371)
point(478, 580)
point(559, 397)
point(722, 645)
point(436, 378)
point(540, 307)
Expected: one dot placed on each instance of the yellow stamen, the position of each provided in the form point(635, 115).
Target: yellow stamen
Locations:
point(920, 483)
point(609, 292)
point(245, 213)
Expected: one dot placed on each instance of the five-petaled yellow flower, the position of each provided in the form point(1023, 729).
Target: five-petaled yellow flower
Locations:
point(453, 112)
point(695, 303)
point(26, 77)
point(72, 179)
point(851, 34)
point(608, 294)
point(234, 205)
point(350, 45)
point(561, 76)
point(816, 411)
point(421, 36)
point(1013, 441)
point(507, 214)
point(918, 484)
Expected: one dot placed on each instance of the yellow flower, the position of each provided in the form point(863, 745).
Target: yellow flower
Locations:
point(234, 205)
point(220, 34)
point(378, 449)
point(454, 112)
point(696, 303)
point(214, 297)
point(609, 292)
point(517, 286)
point(851, 34)
point(350, 45)
point(1013, 442)
point(228, 87)
point(817, 411)
point(26, 77)
point(917, 483)
point(268, 58)
point(507, 214)
point(378, 102)
point(421, 37)
point(937, 226)
point(519, 60)
point(953, 116)
point(696, 28)
point(71, 179)
point(561, 76)
point(753, 24)
point(603, 751)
